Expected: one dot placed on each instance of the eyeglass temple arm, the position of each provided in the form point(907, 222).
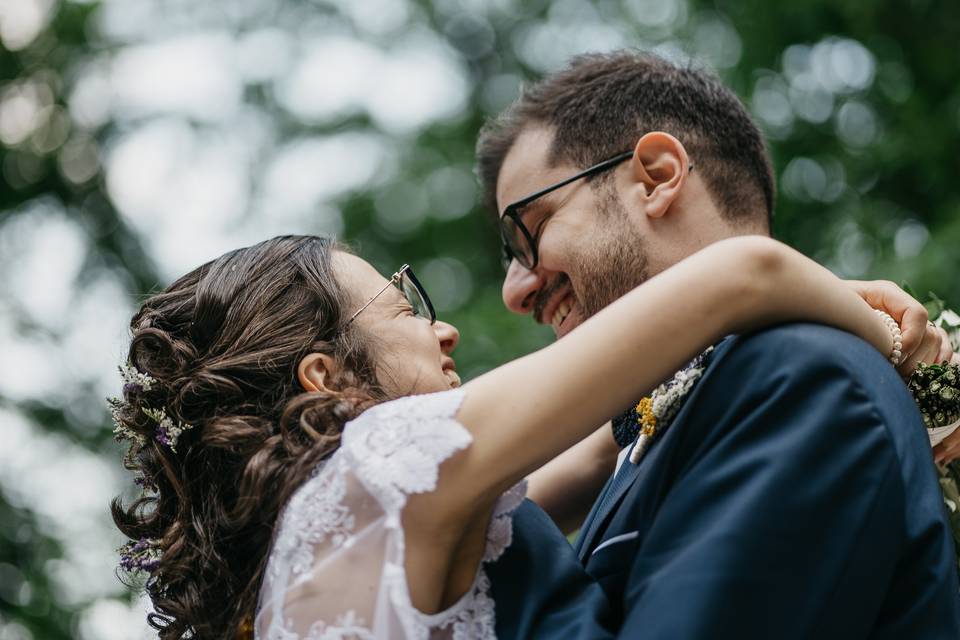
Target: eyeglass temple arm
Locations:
point(589, 171)
point(395, 278)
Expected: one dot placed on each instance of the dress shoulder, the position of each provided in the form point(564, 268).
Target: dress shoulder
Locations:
point(336, 568)
point(396, 448)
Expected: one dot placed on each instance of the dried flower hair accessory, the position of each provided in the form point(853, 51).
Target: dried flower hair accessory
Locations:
point(140, 555)
point(120, 431)
point(135, 381)
point(145, 483)
point(168, 431)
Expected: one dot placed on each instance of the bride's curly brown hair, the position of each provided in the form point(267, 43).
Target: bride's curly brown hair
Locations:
point(223, 344)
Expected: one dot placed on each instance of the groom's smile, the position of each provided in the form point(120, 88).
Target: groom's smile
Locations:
point(563, 314)
point(556, 304)
point(563, 310)
point(551, 290)
point(589, 253)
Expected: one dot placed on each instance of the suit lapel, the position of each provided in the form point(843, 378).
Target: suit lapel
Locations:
point(588, 522)
point(626, 477)
point(616, 488)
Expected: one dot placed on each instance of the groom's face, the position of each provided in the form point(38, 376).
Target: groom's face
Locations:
point(590, 253)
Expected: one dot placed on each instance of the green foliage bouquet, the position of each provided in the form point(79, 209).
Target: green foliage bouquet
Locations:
point(936, 388)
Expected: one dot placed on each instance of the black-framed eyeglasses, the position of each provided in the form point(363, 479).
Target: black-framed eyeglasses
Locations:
point(412, 290)
point(517, 241)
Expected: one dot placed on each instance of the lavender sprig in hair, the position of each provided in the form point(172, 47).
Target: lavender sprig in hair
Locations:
point(168, 432)
point(140, 555)
point(145, 483)
point(135, 383)
point(121, 431)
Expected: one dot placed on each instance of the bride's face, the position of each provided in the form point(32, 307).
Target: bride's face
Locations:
point(411, 355)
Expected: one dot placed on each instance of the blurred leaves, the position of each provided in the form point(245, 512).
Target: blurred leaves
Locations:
point(140, 137)
point(950, 483)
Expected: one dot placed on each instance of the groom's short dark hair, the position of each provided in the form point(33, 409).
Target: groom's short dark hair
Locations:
point(601, 104)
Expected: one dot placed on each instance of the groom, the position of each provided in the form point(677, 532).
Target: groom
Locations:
point(791, 494)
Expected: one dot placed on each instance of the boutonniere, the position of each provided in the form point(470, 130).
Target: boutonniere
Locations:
point(654, 413)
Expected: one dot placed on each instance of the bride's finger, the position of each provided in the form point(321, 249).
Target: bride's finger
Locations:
point(909, 313)
point(927, 351)
point(946, 349)
point(913, 327)
point(950, 454)
point(949, 449)
point(939, 453)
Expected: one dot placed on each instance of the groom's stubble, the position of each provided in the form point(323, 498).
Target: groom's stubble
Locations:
point(614, 261)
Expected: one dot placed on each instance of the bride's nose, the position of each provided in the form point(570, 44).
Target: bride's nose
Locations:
point(448, 336)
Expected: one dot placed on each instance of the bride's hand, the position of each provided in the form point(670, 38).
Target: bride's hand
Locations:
point(949, 449)
point(922, 342)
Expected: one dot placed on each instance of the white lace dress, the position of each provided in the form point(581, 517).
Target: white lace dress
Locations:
point(336, 568)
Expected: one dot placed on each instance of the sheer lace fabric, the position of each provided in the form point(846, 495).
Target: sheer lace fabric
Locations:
point(336, 568)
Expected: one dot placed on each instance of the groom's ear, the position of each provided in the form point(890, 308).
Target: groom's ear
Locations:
point(660, 167)
point(317, 371)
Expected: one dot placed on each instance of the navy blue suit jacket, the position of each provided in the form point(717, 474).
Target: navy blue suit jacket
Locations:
point(793, 497)
point(540, 589)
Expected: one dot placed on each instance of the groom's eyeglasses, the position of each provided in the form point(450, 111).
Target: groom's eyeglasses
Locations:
point(411, 289)
point(517, 241)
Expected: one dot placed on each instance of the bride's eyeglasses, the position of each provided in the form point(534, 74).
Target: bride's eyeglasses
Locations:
point(411, 289)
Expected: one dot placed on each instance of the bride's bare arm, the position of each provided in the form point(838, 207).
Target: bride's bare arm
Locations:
point(566, 486)
point(527, 412)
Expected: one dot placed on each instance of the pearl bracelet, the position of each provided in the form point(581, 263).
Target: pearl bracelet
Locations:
point(894, 328)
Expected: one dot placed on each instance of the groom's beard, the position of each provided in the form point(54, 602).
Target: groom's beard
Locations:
point(609, 264)
point(616, 262)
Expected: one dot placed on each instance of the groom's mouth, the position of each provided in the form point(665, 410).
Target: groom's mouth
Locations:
point(557, 305)
point(565, 317)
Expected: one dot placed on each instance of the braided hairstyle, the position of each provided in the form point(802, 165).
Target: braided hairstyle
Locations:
point(222, 345)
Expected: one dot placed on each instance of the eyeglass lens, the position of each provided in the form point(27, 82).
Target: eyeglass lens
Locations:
point(414, 296)
point(516, 243)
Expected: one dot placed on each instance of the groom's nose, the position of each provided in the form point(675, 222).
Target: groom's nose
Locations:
point(520, 288)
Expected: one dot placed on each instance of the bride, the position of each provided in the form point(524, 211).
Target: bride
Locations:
point(312, 467)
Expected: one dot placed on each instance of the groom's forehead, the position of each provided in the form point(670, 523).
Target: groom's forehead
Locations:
point(527, 168)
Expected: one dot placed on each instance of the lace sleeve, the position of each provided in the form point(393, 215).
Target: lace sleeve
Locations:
point(336, 567)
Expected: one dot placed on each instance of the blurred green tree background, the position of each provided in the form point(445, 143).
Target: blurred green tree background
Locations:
point(139, 138)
